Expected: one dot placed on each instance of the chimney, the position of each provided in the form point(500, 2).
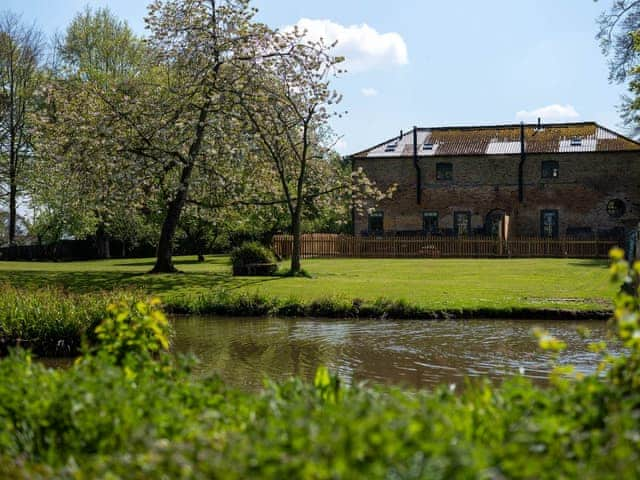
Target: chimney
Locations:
point(539, 123)
point(401, 134)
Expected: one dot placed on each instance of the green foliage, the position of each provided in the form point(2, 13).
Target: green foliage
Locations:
point(173, 426)
point(99, 45)
point(618, 36)
point(625, 372)
point(133, 330)
point(252, 253)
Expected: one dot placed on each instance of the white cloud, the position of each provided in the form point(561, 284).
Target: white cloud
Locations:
point(550, 113)
point(369, 92)
point(363, 47)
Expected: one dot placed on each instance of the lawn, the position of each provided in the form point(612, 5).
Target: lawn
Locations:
point(438, 284)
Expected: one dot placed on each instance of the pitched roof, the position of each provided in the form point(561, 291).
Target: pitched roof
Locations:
point(504, 140)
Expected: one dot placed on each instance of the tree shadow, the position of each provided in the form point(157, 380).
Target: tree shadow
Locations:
point(81, 282)
point(150, 262)
point(591, 263)
point(93, 281)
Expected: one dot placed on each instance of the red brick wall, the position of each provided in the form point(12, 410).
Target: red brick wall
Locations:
point(586, 183)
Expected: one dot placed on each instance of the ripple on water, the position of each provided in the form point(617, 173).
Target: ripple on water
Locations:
point(413, 353)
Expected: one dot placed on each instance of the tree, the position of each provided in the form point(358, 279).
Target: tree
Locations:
point(203, 44)
point(20, 58)
point(96, 44)
point(96, 48)
point(618, 30)
point(288, 106)
point(159, 129)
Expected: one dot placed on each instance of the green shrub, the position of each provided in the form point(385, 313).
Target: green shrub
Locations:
point(330, 307)
point(94, 421)
point(136, 330)
point(252, 258)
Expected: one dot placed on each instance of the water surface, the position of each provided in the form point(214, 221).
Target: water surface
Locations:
point(407, 353)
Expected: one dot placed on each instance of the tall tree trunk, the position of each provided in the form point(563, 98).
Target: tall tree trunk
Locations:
point(297, 233)
point(102, 243)
point(13, 213)
point(164, 253)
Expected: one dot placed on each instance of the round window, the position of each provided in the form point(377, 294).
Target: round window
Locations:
point(616, 208)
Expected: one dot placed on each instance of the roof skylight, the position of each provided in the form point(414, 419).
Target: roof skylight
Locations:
point(391, 147)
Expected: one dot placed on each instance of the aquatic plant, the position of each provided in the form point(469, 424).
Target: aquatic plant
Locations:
point(49, 321)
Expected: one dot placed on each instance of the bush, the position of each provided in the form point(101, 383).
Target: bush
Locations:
point(252, 258)
point(133, 331)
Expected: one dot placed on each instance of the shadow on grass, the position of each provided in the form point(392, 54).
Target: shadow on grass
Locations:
point(593, 262)
point(150, 262)
point(85, 282)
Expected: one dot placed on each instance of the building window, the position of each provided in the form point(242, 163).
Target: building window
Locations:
point(376, 222)
point(550, 169)
point(462, 223)
point(616, 208)
point(430, 222)
point(549, 224)
point(444, 171)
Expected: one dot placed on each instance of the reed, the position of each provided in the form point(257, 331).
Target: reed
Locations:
point(50, 321)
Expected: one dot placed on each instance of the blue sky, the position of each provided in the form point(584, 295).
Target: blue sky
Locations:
point(434, 63)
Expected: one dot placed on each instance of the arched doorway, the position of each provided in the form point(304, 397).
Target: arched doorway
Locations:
point(492, 222)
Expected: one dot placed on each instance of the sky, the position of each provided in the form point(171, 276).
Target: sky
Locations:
point(432, 63)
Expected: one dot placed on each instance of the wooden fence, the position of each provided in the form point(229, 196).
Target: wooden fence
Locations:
point(345, 246)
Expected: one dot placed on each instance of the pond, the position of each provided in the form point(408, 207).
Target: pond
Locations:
point(407, 353)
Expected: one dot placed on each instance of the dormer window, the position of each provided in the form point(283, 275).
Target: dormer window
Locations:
point(427, 147)
point(576, 142)
point(391, 147)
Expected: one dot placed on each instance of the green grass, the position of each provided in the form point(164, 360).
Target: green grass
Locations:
point(50, 322)
point(435, 284)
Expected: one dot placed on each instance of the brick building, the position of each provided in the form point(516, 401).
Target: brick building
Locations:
point(577, 179)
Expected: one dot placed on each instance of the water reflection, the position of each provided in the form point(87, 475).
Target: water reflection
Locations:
point(410, 353)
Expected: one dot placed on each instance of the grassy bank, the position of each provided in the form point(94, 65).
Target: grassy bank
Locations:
point(48, 321)
point(433, 285)
point(255, 304)
point(53, 321)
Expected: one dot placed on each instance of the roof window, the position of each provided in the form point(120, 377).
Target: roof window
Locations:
point(391, 147)
point(576, 142)
point(427, 147)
